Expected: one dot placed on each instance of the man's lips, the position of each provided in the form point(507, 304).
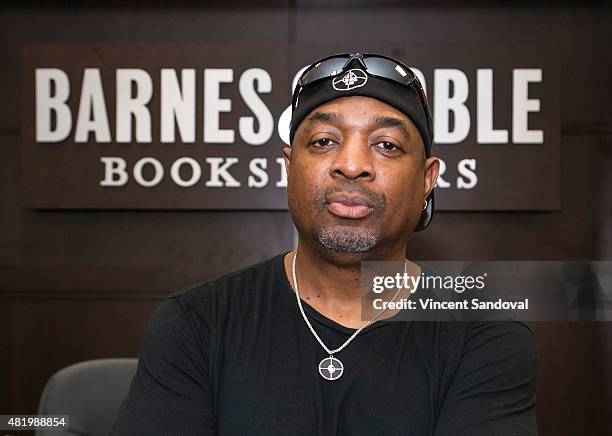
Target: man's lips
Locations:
point(346, 211)
point(348, 205)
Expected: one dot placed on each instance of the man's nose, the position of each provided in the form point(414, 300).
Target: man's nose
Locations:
point(353, 160)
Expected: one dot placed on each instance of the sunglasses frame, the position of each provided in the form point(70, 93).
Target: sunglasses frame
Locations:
point(362, 59)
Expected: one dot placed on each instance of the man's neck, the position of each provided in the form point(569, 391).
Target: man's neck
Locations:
point(330, 282)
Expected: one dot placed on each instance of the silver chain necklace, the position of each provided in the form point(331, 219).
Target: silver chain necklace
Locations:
point(331, 368)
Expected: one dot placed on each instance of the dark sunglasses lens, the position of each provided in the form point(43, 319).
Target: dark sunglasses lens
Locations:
point(391, 70)
point(325, 68)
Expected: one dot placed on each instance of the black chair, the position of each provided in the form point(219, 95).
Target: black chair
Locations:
point(90, 393)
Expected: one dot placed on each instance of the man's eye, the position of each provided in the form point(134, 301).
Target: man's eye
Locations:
point(323, 142)
point(386, 145)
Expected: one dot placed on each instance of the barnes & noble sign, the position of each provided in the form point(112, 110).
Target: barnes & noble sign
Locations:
point(202, 126)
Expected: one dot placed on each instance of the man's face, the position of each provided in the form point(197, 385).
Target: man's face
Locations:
point(357, 175)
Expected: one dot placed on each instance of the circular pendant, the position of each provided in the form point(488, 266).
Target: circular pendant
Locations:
point(331, 368)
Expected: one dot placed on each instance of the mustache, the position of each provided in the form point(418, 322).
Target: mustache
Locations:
point(378, 201)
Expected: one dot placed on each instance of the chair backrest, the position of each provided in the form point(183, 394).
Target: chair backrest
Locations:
point(90, 393)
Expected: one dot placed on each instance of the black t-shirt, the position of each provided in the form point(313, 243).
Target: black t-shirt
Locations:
point(234, 356)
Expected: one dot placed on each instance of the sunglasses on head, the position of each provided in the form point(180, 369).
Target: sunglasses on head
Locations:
point(375, 65)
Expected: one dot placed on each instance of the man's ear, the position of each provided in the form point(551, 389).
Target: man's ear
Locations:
point(287, 156)
point(432, 169)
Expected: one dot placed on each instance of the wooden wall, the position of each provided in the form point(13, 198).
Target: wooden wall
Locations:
point(77, 285)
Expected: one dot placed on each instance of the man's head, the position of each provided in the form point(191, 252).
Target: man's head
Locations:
point(359, 169)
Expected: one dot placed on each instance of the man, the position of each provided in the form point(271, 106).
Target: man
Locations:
point(281, 347)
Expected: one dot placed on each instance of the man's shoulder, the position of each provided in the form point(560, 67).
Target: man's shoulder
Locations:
point(515, 329)
point(235, 283)
point(512, 340)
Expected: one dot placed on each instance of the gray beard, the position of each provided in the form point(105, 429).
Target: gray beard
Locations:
point(347, 241)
